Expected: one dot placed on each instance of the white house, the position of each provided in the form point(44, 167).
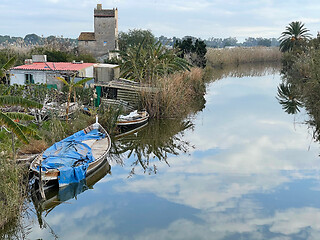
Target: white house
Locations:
point(38, 70)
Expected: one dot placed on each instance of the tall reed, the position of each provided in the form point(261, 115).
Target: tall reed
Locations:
point(12, 191)
point(218, 57)
point(175, 95)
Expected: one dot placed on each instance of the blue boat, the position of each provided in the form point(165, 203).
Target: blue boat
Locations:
point(73, 158)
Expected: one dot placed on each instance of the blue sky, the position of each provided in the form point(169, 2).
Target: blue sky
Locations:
point(199, 18)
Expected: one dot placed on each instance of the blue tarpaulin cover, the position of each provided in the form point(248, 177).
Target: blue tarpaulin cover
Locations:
point(68, 153)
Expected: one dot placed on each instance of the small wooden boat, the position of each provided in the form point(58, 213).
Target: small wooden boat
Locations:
point(134, 118)
point(73, 158)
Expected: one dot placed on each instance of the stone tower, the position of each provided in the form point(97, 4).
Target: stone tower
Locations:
point(105, 36)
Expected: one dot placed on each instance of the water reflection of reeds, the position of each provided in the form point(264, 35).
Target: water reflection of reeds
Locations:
point(154, 143)
point(246, 70)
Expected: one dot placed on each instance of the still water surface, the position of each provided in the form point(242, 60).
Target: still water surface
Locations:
point(240, 169)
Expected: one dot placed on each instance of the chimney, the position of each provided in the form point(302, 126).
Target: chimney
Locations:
point(99, 6)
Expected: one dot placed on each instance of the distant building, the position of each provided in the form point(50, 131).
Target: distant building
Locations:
point(105, 36)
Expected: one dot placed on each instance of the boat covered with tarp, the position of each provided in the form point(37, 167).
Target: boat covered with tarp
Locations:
point(74, 157)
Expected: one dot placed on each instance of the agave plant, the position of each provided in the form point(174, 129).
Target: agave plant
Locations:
point(294, 35)
point(287, 99)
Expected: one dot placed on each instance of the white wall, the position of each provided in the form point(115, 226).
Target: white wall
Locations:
point(89, 71)
point(18, 76)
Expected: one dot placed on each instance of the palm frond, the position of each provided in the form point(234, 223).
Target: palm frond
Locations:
point(29, 131)
point(82, 81)
point(9, 64)
point(12, 126)
point(20, 116)
point(13, 100)
point(62, 80)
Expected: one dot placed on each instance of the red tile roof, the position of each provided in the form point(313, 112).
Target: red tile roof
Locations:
point(54, 66)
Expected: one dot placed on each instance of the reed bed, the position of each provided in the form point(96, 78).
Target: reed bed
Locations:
point(11, 191)
point(176, 94)
point(218, 57)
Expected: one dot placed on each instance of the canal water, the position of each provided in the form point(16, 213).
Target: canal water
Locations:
point(239, 169)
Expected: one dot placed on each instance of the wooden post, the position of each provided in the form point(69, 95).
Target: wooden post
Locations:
point(40, 182)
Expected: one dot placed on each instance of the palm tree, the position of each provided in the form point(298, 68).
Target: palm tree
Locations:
point(294, 35)
point(287, 99)
point(6, 67)
point(7, 118)
point(145, 62)
point(71, 86)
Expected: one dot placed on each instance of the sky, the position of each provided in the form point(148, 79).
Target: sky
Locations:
point(199, 18)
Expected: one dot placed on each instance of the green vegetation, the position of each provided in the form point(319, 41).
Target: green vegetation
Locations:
point(301, 74)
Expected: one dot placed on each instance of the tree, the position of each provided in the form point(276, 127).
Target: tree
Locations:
point(6, 67)
point(264, 42)
point(134, 38)
point(71, 87)
point(293, 37)
point(195, 51)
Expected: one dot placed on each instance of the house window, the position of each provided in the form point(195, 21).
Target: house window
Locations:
point(28, 79)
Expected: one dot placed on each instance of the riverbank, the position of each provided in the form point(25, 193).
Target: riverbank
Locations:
point(217, 57)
